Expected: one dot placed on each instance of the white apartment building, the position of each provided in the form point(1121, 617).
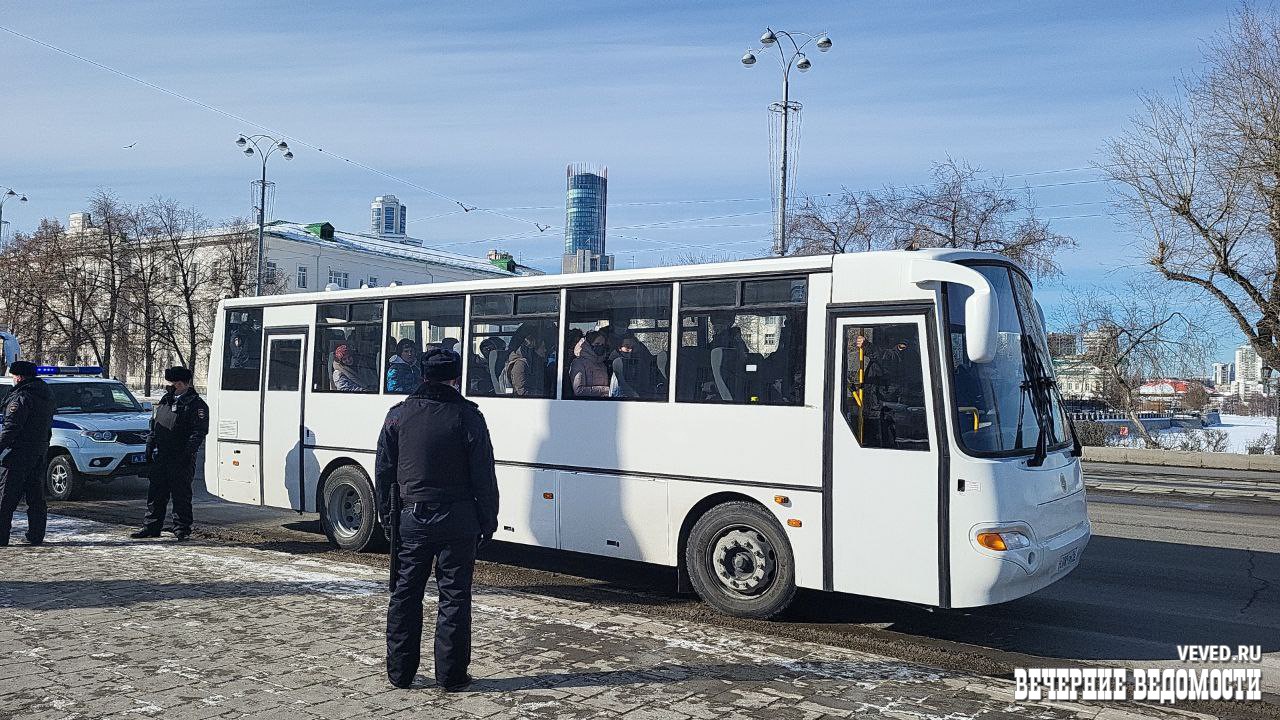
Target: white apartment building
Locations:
point(1223, 375)
point(1248, 372)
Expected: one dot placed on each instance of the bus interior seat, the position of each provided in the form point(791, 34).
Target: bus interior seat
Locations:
point(497, 363)
point(728, 368)
point(660, 360)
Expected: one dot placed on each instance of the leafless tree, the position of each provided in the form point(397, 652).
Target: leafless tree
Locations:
point(105, 254)
point(236, 262)
point(24, 294)
point(1199, 176)
point(957, 209)
point(186, 304)
point(850, 222)
point(1133, 334)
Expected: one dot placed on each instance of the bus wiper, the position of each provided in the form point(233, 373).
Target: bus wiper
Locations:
point(1038, 387)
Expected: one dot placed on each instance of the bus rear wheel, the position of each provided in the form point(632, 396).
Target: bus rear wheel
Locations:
point(349, 511)
point(739, 561)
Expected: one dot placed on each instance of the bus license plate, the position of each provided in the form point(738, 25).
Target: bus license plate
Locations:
point(1068, 560)
point(138, 458)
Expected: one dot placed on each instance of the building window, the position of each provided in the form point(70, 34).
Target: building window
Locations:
point(375, 219)
point(389, 219)
point(373, 281)
point(339, 278)
point(404, 215)
point(302, 276)
point(270, 274)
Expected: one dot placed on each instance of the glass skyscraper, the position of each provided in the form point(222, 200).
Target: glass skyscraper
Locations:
point(388, 217)
point(584, 241)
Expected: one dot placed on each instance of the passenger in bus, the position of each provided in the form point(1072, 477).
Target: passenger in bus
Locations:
point(346, 373)
point(239, 352)
point(403, 373)
point(481, 380)
point(525, 371)
point(632, 375)
point(589, 376)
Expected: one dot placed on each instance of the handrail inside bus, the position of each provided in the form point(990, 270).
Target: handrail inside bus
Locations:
point(981, 310)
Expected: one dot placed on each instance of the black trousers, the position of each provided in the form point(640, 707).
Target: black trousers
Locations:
point(23, 477)
point(170, 478)
point(443, 534)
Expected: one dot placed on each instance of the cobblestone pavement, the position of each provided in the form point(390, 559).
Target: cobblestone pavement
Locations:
point(94, 625)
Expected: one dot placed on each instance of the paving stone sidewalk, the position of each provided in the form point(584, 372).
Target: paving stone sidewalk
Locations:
point(94, 625)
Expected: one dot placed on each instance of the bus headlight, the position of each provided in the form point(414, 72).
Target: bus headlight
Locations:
point(100, 435)
point(1001, 541)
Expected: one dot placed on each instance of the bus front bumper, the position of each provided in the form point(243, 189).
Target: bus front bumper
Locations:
point(982, 576)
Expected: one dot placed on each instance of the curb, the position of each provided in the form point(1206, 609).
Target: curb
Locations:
point(1182, 458)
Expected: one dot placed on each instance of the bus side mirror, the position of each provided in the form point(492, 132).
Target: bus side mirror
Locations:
point(981, 310)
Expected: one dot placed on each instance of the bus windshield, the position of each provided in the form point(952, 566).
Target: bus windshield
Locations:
point(1004, 406)
point(93, 397)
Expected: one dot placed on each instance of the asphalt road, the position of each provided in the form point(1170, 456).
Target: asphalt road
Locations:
point(1162, 570)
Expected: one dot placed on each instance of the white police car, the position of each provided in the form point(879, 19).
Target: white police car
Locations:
point(99, 428)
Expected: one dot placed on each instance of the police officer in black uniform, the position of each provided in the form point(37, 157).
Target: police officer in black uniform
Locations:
point(435, 455)
point(24, 443)
point(178, 426)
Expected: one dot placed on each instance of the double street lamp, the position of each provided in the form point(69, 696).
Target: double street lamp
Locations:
point(264, 146)
point(788, 58)
point(4, 197)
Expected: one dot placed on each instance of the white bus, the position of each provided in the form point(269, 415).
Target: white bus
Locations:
point(879, 423)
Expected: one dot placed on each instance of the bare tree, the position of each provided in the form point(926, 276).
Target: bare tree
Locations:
point(1133, 334)
point(1199, 175)
point(24, 294)
point(957, 209)
point(183, 316)
point(236, 262)
point(107, 251)
point(851, 222)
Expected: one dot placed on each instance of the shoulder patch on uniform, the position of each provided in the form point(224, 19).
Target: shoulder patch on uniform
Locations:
point(200, 413)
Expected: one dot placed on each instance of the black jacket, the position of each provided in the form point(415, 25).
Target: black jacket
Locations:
point(28, 419)
point(435, 448)
point(178, 426)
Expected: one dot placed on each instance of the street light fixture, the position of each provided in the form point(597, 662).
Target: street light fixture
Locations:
point(787, 59)
point(8, 193)
point(263, 146)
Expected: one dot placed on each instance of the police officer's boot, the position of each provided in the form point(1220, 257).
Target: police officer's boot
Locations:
point(145, 533)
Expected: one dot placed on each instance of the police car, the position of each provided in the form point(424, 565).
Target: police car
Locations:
point(100, 429)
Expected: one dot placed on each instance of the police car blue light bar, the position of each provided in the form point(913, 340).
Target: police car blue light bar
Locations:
point(68, 370)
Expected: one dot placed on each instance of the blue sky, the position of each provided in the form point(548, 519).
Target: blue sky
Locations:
point(487, 102)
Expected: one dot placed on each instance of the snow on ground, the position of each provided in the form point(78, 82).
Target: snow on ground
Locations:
point(1245, 429)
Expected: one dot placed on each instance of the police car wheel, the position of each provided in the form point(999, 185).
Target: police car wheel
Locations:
point(61, 481)
point(349, 512)
point(739, 561)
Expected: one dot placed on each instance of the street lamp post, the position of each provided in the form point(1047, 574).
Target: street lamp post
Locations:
point(255, 144)
point(787, 59)
point(4, 197)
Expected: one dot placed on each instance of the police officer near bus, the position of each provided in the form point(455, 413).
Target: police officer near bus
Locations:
point(178, 426)
point(438, 500)
point(24, 443)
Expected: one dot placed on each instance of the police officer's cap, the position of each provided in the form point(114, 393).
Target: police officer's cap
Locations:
point(177, 374)
point(23, 368)
point(440, 365)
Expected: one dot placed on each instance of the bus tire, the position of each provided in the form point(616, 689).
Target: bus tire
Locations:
point(61, 479)
point(739, 561)
point(349, 511)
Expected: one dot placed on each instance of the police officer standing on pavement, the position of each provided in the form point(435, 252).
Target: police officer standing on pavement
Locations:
point(24, 442)
point(435, 463)
point(178, 426)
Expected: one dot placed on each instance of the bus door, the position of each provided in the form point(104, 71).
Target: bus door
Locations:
point(282, 419)
point(884, 465)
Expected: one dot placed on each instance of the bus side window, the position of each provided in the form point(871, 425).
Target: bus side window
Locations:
point(242, 351)
point(632, 329)
point(512, 344)
point(416, 326)
point(883, 396)
point(742, 342)
point(348, 345)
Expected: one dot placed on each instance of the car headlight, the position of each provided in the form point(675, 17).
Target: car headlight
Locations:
point(100, 435)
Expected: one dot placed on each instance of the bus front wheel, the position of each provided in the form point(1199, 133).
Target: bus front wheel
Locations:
point(739, 561)
point(349, 511)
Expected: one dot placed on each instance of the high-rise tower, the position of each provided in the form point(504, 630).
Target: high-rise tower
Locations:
point(585, 204)
point(388, 217)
